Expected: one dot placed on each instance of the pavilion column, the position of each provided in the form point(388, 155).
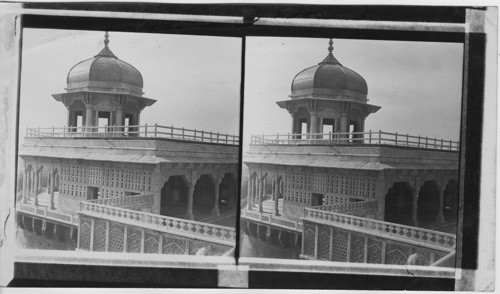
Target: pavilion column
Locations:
point(190, 192)
point(344, 128)
point(249, 194)
point(51, 189)
point(37, 181)
point(440, 216)
point(119, 119)
point(414, 206)
point(215, 210)
point(313, 128)
point(70, 119)
point(276, 196)
point(260, 191)
point(88, 117)
point(31, 184)
point(25, 185)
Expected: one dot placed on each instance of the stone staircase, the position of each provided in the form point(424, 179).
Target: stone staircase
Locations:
point(268, 206)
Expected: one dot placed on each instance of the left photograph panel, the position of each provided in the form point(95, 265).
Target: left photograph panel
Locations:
point(128, 142)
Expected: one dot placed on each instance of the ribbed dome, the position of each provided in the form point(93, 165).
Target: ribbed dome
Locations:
point(329, 78)
point(105, 71)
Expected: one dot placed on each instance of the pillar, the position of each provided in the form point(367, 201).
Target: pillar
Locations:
point(439, 216)
point(261, 192)
point(35, 188)
point(119, 119)
point(30, 185)
point(249, 195)
point(276, 196)
point(88, 117)
point(190, 192)
point(215, 210)
point(25, 185)
point(344, 127)
point(71, 121)
point(414, 206)
point(51, 189)
point(314, 122)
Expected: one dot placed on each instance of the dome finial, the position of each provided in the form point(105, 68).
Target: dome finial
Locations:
point(330, 58)
point(106, 40)
point(106, 52)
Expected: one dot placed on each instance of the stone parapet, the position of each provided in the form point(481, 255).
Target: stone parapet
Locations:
point(349, 156)
point(157, 150)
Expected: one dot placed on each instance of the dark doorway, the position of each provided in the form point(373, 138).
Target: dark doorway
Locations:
point(316, 199)
point(428, 204)
point(174, 197)
point(203, 198)
point(398, 204)
point(92, 193)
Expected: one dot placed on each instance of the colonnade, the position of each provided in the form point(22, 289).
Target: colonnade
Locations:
point(32, 183)
point(256, 190)
point(190, 183)
point(415, 187)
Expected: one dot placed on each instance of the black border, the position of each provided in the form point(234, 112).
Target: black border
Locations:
point(34, 274)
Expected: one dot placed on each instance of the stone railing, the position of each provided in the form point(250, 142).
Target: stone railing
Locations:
point(372, 138)
point(361, 206)
point(272, 220)
point(48, 214)
point(143, 131)
point(175, 226)
point(402, 233)
point(135, 202)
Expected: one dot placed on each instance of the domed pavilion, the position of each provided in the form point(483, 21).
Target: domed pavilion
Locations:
point(328, 94)
point(103, 91)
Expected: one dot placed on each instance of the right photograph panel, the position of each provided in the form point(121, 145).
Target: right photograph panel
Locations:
point(351, 150)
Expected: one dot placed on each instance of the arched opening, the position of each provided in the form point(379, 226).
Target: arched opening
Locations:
point(398, 204)
point(227, 192)
point(450, 201)
point(203, 197)
point(174, 197)
point(428, 204)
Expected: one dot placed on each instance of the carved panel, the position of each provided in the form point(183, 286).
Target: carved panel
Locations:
point(173, 246)
point(374, 251)
point(396, 254)
point(323, 242)
point(339, 246)
point(134, 241)
point(85, 233)
point(99, 235)
point(357, 248)
point(116, 238)
point(151, 243)
point(309, 236)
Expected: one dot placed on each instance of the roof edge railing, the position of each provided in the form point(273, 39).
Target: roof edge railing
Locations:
point(356, 138)
point(136, 131)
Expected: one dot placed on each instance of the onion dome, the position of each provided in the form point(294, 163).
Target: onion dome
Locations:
point(329, 79)
point(106, 73)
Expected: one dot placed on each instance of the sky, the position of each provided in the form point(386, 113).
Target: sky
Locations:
point(417, 84)
point(196, 80)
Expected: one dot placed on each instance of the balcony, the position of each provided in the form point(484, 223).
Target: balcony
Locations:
point(134, 132)
point(357, 138)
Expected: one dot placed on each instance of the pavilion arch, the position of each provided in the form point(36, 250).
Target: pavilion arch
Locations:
point(428, 204)
point(398, 203)
point(203, 197)
point(450, 201)
point(174, 195)
point(228, 190)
